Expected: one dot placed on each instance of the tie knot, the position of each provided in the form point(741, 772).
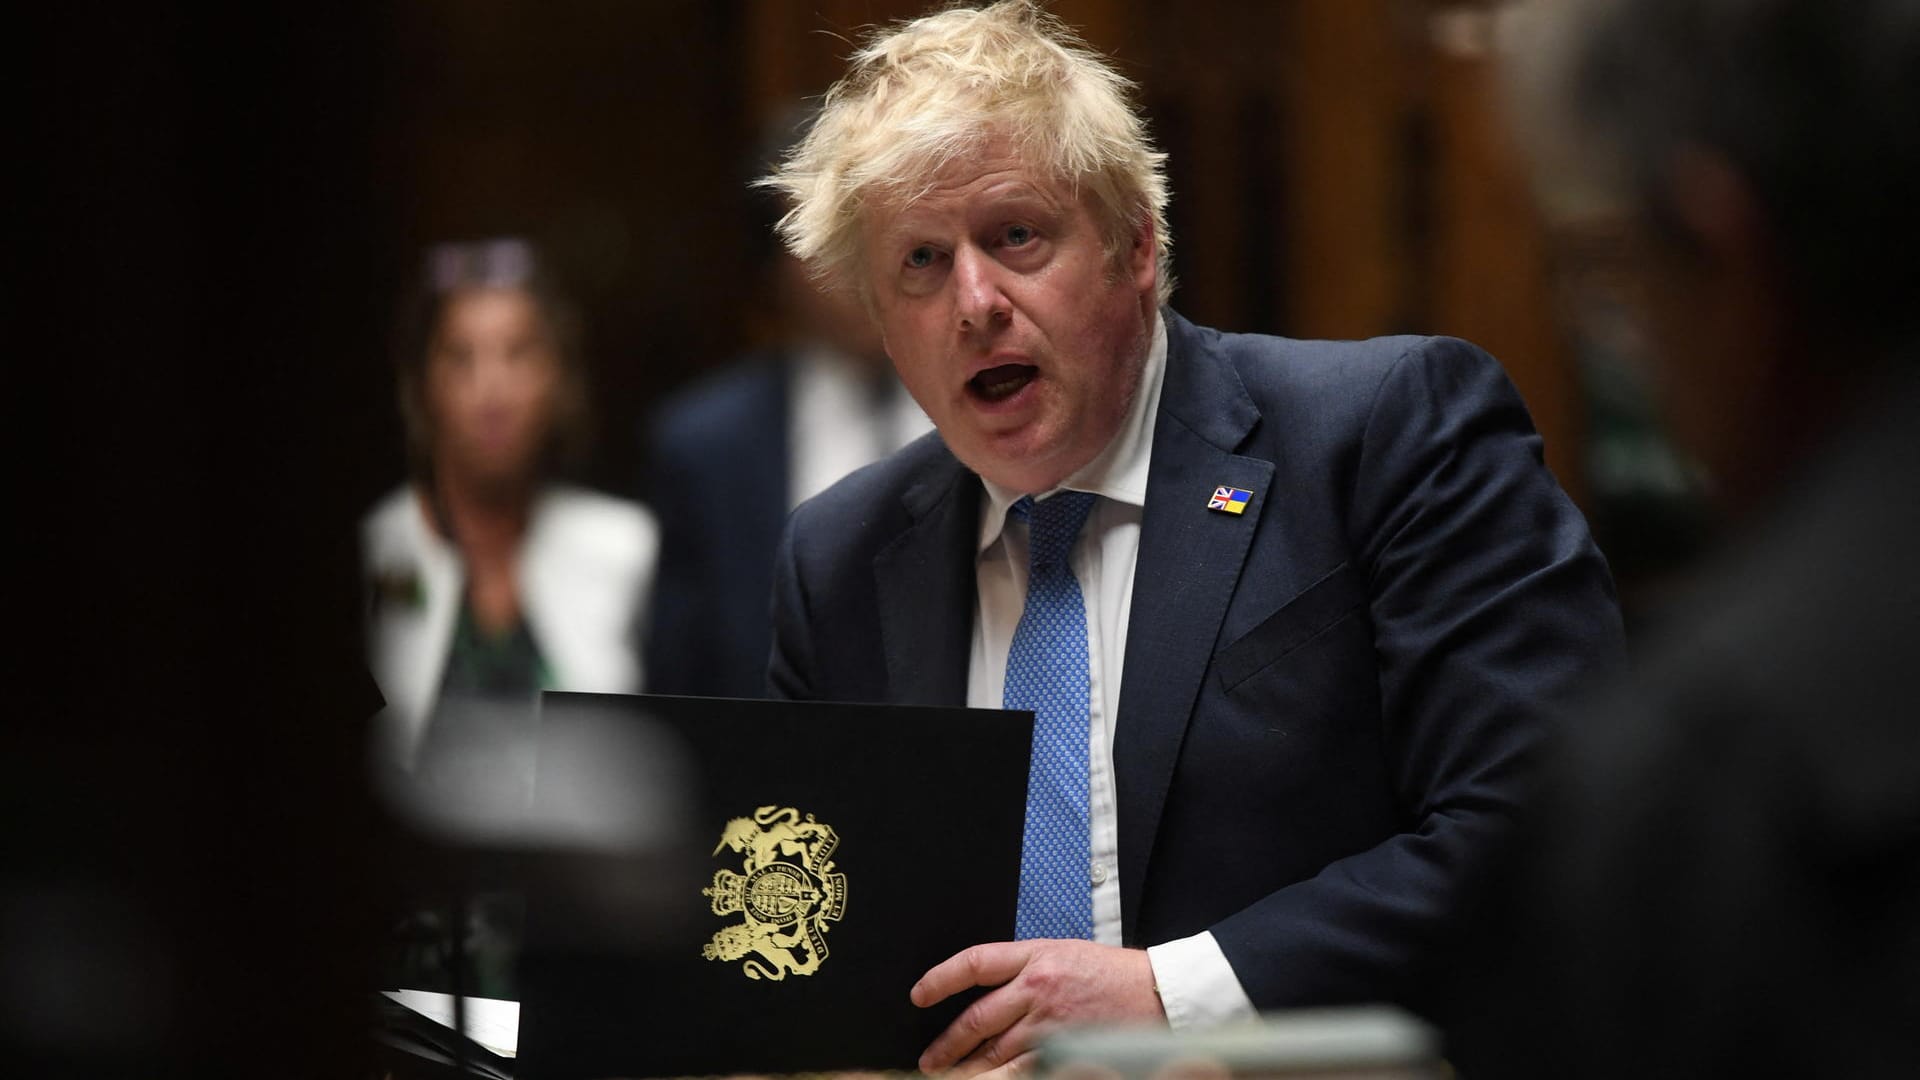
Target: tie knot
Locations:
point(1052, 524)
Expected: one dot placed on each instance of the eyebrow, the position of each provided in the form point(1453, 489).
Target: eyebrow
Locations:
point(1011, 192)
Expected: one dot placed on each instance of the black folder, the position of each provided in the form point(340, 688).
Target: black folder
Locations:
point(817, 860)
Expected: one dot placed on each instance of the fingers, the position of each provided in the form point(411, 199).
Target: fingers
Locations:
point(1004, 1054)
point(981, 965)
point(1021, 1065)
point(1038, 986)
point(983, 1024)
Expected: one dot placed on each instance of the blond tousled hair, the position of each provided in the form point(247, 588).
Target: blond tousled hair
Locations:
point(924, 92)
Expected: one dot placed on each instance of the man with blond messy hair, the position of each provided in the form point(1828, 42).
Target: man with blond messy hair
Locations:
point(1288, 614)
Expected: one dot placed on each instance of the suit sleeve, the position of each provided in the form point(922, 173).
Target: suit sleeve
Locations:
point(1489, 604)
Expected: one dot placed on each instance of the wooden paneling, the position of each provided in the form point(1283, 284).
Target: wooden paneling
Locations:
point(610, 132)
point(1335, 173)
point(1486, 267)
point(1339, 79)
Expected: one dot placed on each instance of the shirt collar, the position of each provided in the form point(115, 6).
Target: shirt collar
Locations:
point(1118, 472)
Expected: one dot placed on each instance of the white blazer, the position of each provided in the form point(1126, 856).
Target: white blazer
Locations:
point(586, 573)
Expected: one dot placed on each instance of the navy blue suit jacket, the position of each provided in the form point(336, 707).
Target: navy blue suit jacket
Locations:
point(717, 474)
point(1330, 703)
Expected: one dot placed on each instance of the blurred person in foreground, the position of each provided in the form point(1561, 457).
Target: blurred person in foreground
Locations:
point(1728, 882)
point(1291, 615)
point(770, 430)
point(491, 580)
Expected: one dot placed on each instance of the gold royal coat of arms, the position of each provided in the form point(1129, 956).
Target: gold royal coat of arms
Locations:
point(787, 891)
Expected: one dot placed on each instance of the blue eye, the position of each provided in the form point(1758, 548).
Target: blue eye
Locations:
point(920, 257)
point(1018, 235)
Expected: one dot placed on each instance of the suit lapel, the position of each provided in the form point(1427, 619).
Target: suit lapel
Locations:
point(925, 586)
point(1189, 565)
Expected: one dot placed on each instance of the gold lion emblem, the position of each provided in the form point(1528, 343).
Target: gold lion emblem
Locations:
point(786, 889)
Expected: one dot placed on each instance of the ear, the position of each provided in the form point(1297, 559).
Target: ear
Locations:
point(1143, 258)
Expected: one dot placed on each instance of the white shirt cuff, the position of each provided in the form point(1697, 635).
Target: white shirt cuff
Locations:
point(1197, 985)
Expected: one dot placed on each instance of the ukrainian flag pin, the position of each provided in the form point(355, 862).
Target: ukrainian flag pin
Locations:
point(1229, 500)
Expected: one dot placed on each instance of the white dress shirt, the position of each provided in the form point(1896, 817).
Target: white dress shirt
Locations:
point(1195, 982)
point(840, 424)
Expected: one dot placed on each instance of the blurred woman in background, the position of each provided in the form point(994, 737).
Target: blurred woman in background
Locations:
point(490, 580)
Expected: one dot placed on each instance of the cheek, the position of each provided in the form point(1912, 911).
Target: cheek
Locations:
point(526, 387)
point(1110, 337)
point(448, 406)
point(440, 388)
point(913, 353)
point(540, 389)
point(924, 390)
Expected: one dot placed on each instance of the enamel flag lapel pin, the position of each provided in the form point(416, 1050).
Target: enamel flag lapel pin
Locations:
point(1229, 500)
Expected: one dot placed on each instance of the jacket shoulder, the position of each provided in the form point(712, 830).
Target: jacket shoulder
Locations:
point(393, 525)
point(593, 525)
point(1274, 368)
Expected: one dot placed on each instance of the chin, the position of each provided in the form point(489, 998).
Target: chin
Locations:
point(1029, 465)
point(1021, 476)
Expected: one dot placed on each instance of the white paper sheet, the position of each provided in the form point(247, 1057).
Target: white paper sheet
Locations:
point(492, 1023)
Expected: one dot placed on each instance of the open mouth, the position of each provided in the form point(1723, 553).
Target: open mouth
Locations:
point(1001, 383)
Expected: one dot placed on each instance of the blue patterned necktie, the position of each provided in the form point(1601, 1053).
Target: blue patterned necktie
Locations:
point(1047, 673)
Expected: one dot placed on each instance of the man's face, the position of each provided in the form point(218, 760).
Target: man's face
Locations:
point(1007, 320)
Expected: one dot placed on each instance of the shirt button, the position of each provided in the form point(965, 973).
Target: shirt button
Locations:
point(1099, 873)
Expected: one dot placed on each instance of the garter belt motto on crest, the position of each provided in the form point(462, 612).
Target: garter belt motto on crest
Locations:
point(787, 890)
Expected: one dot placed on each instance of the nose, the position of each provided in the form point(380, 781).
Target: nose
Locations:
point(980, 302)
point(489, 369)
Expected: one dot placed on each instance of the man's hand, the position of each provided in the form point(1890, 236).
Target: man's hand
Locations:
point(1043, 985)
